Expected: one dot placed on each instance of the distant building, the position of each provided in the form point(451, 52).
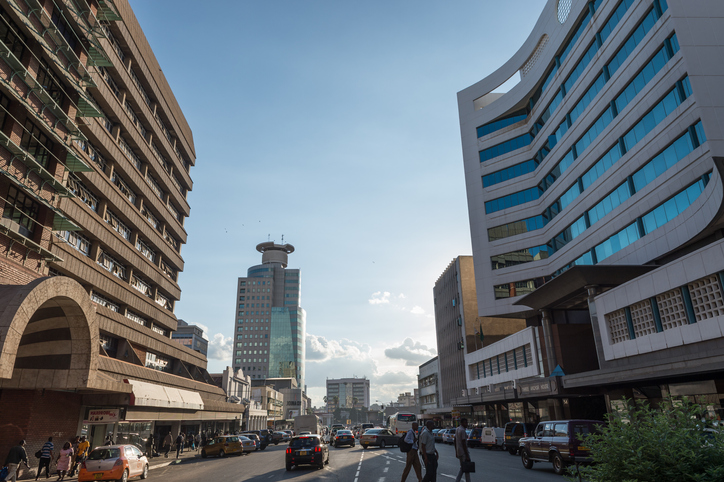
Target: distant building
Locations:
point(191, 336)
point(406, 399)
point(348, 393)
point(428, 385)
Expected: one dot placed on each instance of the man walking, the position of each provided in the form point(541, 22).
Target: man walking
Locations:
point(429, 452)
point(167, 441)
point(179, 444)
point(413, 458)
point(461, 448)
point(15, 456)
point(46, 454)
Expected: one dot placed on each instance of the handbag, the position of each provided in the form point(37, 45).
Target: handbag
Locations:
point(468, 467)
point(38, 454)
point(3, 473)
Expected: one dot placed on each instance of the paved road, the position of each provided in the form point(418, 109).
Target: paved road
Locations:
point(350, 465)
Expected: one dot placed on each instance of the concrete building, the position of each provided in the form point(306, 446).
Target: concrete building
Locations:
point(595, 197)
point(191, 336)
point(272, 402)
point(407, 399)
point(428, 387)
point(95, 168)
point(348, 393)
point(270, 327)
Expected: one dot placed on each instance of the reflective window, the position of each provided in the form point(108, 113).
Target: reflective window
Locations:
point(616, 17)
point(586, 99)
point(630, 44)
point(640, 81)
point(652, 119)
point(519, 257)
point(609, 203)
point(505, 147)
point(501, 123)
point(517, 227)
point(673, 207)
point(580, 67)
point(601, 123)
point(601, 166)
point(511, 200)
point(509, 173)
point(656, 166)
point(574, 38)
point(617, 242)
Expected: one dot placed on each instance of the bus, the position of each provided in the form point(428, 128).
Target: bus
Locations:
point(307, 423)
point(401, 422)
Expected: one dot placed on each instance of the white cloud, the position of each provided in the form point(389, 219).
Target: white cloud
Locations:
point(205, 328)
point(221, 348)
point(380, 298)
point(417, 310)
point(413, 353)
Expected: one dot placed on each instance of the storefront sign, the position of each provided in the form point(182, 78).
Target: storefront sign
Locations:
point(542, 387)
point(104, 416)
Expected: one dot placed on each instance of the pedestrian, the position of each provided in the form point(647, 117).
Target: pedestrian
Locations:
point(63, 460)
point(149, 446)
point(167, 444)
point(183, 441)
point(75, 443)
point(80, 453)
point(461, 448)
point(12, 461)
point(429, 452)
point(198, 441)
point(413, 457)
point(46, 454)
point(179, 444)
point(203, 438)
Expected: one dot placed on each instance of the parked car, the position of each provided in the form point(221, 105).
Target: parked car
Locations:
point(264, 437)
point(378, 437)
point(438, 432)
point(307, 450)
point(285, 436)
point(448, 436)
point(514, 431)
point(277, 437)
point(557, 442)
point(114, 462)
point(492, 437)
point(224, 445)
point(474, 437)
point(343, 437)
point(254, 438)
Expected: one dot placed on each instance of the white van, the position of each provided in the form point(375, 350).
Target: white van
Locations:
point(492, 437)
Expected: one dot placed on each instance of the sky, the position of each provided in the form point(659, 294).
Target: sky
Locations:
point(334, 124)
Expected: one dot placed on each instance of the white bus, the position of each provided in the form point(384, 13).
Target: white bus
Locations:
point(401, 422)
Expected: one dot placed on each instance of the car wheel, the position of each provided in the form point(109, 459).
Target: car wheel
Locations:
point(124, 477)
point(382, 444)
point(144, 475)
point(203, 454)
point(512, 450)
point(352, 444)
point(276, 443)
point(222, 454)
point(559, 466)
point(525, 458)
point(364, 447)
point(289, 467)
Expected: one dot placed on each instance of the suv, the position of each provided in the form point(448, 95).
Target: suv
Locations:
point(514, 431)
point(557, 442)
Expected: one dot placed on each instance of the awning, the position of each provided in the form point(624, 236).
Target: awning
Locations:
point(152, 395)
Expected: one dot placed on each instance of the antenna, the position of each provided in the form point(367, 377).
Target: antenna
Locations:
point(282, 239)
point(268, 237)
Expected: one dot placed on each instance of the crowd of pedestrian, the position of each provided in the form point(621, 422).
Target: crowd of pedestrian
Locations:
point(423, 447)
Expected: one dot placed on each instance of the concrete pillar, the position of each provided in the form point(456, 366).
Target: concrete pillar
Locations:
point(593, 291)
point(548, 335)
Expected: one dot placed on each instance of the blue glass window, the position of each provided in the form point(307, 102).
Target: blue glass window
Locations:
point(632, 42)
point(568, 234)
point(491, 127)
point(586, 99)
point(509, 173)
point(593, 131)
point(616, 17)
point(574, 38)
point(550, 76)
point(700, 136)
point(585, 260)
point(515, 228)
point(511, 200)
point(686, 84)
point(672, 207)
point(675, 43)
point(505, 147)
point(680, 148)
point(522, 256)
point(601, 166)
point(580, 67)
point(609, 203)
point(555, 102)
point(652, 119)
point(639, 82)
point(617, 242)
point(566, 199)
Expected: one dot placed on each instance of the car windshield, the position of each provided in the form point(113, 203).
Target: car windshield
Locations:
point(104, 453)
point(301, 442)
point(406, 418)
point(373, 431)
point(344, 432)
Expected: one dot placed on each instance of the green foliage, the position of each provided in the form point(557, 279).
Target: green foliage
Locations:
point(664, 444)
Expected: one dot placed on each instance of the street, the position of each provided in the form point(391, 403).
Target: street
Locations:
point(350, 465)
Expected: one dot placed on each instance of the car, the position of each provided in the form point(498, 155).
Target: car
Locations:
point(514, 431)
point(279, 437)
point(343, 437)
point(448, 436)
point(114, 462)
point(224, 445)
point(289, 432)
point(474, 437)
point(558, 442)
point(378, 437)
point(307, 450)
point(247, 444)
point(305, 433)
point(438, 434)
point(366, 426)
point(264, 437)
point(337, 426)
point(285, 436)
point(254, 438)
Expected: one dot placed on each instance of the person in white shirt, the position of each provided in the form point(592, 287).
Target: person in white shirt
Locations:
point(413, 458)
point(461, 448)
point(429, 452)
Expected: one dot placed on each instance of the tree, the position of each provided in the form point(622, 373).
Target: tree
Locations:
point(670, 443)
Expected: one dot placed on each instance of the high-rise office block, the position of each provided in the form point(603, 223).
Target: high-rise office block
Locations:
point(595, 199)
point(347, 393)
point(270, 322)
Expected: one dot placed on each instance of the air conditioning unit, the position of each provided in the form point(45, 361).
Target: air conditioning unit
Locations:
point(464, 392)
point(476, 391)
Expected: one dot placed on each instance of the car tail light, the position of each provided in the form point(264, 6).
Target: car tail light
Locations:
point(525, 434)
point(571, 453)
point(317, 448)
point(289, 450)
point(119, 463)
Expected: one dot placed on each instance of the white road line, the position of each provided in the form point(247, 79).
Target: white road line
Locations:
point(382, 479)
point(448, 476)
point(385, 470)
point(387, 462)
point(357, 474)
point(355, 480)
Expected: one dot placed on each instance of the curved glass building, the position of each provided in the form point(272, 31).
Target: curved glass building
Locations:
point(595, 197)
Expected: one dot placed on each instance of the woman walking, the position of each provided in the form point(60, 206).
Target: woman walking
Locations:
point(64, 458)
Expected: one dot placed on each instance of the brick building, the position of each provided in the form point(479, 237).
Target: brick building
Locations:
point(95, 156)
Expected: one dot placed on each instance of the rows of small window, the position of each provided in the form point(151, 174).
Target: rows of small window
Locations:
point(628, 46)
point(516, 359)
point(144, 95)
point(675, 152)
point(135, 317)
point(678, 94)
point(691, 303)
point(519, 288)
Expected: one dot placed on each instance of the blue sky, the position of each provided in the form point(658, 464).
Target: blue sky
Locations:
point(335, 124)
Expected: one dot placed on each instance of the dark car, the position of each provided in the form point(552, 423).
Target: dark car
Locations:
point(438, 434)
point(557, 442)
point(257, 437)
point(307, 450)
point(474, 437)
point(343, 437)
point(277, 437)
point(514, 431)
point(378, 437)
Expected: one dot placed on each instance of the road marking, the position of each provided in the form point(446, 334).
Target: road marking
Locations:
point(357, 474)
point(387, 462)
point(448, 476)
point(385, 470)
point(382, 479)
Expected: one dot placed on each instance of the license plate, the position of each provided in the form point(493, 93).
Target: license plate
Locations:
point(98, 476)
point(303, 452)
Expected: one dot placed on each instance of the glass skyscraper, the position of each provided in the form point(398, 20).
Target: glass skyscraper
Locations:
point(270, 323)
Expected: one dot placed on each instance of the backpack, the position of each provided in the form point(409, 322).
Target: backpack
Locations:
point(404, 446)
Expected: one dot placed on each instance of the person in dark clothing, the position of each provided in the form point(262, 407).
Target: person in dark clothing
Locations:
point(167, 442)
point(46, 455)
point(149, 446)
point(15, 456)
point(179, 444)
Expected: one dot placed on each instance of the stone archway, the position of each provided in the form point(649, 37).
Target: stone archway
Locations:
point(48, 336)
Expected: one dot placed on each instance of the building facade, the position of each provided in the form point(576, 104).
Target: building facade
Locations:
point(95, 158)
point(428, 388)
point(348, 393)
point(270, 327)
point(595, 198)
point(191, 336)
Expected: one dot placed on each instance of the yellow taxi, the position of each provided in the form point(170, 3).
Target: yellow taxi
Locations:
point(114, 462)
point(222, 445)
